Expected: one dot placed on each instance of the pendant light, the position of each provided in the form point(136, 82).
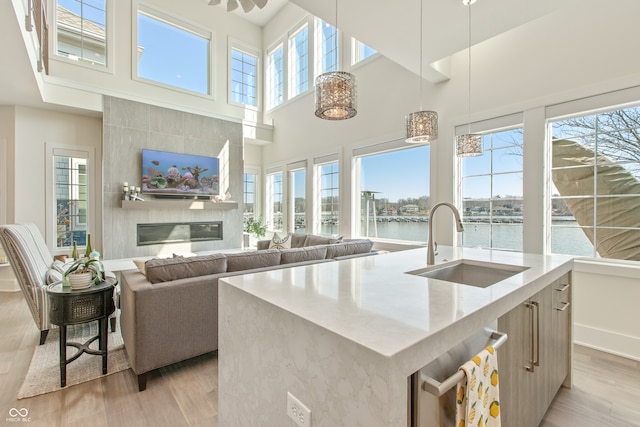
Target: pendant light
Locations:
point(336, 97)
point(469, 144)
point(422, 126)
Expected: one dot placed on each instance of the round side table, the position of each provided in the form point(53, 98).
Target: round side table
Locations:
point(71, 307)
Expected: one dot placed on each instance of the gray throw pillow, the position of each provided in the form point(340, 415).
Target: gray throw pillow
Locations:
point(309, 253)
point(249, 260)
point(168, 269)
point(351, 247)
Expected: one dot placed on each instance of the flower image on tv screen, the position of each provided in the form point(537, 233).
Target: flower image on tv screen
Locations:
point(175, 174)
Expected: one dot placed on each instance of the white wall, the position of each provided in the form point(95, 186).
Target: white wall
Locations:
point(606, 307)
point(33, 129)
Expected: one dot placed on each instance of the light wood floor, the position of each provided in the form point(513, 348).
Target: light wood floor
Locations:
point(606, 391)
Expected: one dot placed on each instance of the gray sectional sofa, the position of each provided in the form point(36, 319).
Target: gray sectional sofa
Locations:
point(169, 307)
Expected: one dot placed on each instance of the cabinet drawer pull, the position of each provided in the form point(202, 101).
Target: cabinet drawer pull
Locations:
point(536, 304)
point(564, 306)
point(532, 364)
point(563, 288)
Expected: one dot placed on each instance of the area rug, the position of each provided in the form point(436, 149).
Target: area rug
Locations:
point(44, 372)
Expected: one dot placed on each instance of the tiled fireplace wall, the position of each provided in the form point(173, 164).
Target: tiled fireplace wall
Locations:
point(130, 126)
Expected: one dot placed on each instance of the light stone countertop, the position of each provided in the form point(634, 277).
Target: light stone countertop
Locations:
point(373, 302)
point(344, 337)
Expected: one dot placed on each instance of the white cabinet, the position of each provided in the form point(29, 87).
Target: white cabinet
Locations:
point(536, 359)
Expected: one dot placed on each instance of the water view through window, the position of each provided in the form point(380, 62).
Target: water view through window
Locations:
point(394, 194)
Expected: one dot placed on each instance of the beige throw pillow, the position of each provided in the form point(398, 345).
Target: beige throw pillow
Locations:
point(140, 264)
point(278, 242)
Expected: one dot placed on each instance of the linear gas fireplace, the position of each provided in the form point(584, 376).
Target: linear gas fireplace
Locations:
point(178, 232)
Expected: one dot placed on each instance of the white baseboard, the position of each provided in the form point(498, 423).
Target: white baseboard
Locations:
point(608, 341)
point(9, 285)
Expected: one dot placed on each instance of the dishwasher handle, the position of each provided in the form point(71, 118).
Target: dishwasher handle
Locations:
point(438, 389)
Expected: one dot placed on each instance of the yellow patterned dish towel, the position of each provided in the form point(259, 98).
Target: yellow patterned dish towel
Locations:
point(477, 397)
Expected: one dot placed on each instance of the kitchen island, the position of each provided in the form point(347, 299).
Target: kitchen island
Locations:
point(345, 337)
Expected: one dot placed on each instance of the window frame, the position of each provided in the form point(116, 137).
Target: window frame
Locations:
point(269, 81)
point(492, 174)
point(110, 30)
point(292, 169)
point(291, 63)
point(270, 199)
point(356, 61)
point(53, 150)
point(357, 208)
point(182, 24)
point(319, 45)
point(591, 111)
point(251, 51)
point(318, 163)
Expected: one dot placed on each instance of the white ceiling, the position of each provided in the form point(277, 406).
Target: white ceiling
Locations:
point(393, 27)
point(256, 15)
point(17, 82)
point(390, 27)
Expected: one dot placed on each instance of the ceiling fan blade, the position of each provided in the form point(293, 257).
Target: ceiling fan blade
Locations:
point(247, 5)
point(214, 2)
point(260, 3)
point(232, 5)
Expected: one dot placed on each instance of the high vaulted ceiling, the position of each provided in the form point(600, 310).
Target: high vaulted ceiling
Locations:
point(390, 27)
point(393, 27)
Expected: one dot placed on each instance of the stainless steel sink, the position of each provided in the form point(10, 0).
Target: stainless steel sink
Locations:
point(469, 272)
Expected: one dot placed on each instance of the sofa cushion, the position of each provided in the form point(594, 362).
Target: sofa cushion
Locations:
point(280, 242)
point(309, 253)
point(298, 240)
point(313, 240)
point(350, 247)
point(249, 260)
point(168, 269)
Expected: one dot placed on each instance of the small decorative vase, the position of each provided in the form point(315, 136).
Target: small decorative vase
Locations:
point(80, 280)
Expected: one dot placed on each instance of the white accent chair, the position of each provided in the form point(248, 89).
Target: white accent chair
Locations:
point(31, 261)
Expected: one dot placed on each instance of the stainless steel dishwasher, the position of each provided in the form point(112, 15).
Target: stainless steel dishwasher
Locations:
point(433, 388)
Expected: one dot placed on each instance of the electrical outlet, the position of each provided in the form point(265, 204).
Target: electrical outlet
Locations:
point(297, 411)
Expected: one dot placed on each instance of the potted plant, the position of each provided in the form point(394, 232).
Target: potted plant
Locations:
point(83, 273)
point(256, 229)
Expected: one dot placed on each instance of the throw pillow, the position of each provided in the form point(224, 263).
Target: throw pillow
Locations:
point(140, 264)
point(58, 265)
point(278, 242)
point(53, 276)
point(169, 269)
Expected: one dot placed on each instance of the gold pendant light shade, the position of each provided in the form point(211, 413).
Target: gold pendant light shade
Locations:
point(422, 126)
point(469, 145)
point(336, 95)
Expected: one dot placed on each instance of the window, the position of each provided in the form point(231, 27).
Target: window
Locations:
point(275, 208)
point(299, 200)
point(492, 193)
point(249, 195)
point(394, 204)
point(329, 198)
point(244, 78)
point(595, 192)
point(275, 76)
point(172, 53)
point(299, 61)
point(81, 30)
point(71, 199)
point(360, 51)
point(326, 47)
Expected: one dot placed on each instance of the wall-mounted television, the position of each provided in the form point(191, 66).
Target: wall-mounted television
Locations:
point(176, 174)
